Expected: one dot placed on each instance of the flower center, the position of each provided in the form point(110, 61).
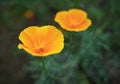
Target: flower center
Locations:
point(41, 50)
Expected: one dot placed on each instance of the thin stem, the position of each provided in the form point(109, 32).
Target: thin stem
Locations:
point(71, 38)
point(46, 71)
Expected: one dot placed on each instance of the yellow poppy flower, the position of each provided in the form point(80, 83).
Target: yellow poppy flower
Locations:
point(73, 20)
point(41, 41)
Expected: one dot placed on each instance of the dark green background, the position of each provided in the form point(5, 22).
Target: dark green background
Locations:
point(93, 56)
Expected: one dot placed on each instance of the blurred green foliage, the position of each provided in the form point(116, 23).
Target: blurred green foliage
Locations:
point(92, 57)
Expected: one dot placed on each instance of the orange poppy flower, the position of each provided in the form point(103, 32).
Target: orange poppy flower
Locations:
point(41, 41)
point(73, 20)
point(29, 14)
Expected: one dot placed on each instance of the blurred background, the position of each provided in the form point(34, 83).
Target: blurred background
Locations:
point(93, 56)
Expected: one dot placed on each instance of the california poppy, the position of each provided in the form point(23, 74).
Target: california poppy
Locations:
point(41, 41)
point(73, 20)
point(29, 14)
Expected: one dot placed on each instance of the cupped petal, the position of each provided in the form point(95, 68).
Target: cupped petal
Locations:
point(76, 16)
point(54, 40)
point(56, 47)
point(61, 18)
point(29, 35)
point(84, 25)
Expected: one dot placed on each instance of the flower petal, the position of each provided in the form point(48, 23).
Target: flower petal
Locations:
point(32, 52)
point(76, 16)
point(83, 26)
point(61, 18)
point(28, 36)
point(55, 42)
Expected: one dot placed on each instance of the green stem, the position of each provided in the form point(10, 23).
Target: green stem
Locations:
point(71, 38)
point(46, 71)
